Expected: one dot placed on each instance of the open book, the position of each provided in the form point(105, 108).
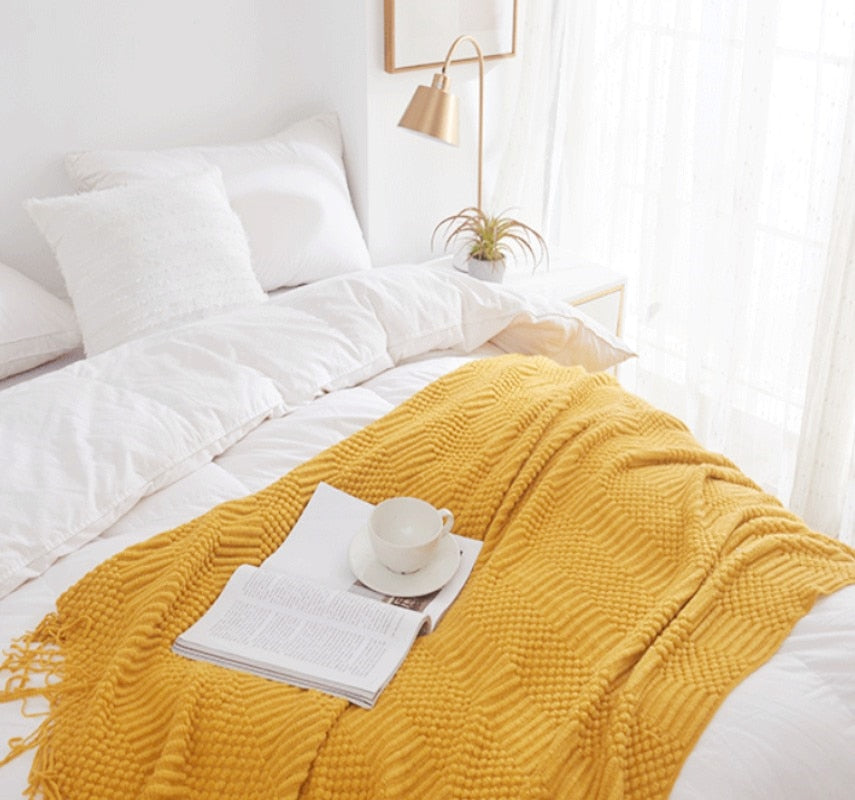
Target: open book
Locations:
point(303, 618)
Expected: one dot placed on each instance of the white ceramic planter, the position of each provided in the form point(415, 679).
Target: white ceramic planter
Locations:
point(493, 271)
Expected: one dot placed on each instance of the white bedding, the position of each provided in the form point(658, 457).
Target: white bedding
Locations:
point(222, 408)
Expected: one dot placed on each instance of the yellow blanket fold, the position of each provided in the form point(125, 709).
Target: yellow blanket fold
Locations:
point(628, 580)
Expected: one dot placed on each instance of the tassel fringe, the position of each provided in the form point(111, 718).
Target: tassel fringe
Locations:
point(34, 663)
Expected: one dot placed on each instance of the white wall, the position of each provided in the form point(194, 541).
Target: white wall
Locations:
point(402, 184)
point(84, 74)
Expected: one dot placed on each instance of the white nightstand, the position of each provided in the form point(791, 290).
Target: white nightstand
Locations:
point(593, 289)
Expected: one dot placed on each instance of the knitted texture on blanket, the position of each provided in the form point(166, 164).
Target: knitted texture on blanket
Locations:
point(628, 580)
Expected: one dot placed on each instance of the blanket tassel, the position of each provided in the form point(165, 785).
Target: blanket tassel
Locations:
point(35, 663)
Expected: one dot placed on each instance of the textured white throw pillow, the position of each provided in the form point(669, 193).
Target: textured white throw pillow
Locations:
point(35, 326)
point(148, 255)
point(289, 190)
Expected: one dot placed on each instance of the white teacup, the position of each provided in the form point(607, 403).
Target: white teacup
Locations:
point(406, 532)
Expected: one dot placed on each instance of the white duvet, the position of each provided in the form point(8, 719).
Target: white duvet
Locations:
point(110, 451)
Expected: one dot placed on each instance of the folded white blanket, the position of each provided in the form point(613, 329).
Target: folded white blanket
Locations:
point(82, 445)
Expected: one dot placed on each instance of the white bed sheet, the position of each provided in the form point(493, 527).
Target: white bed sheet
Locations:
point(769, 739)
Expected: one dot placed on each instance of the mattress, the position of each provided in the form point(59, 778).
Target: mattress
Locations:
point(788, 730)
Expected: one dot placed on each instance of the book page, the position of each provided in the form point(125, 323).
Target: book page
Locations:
point(286, 627)
point(318, 544)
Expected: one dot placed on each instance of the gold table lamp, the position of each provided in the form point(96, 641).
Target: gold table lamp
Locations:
point(434, 110)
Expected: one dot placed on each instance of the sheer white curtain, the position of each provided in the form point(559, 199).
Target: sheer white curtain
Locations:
point(824, 490)
point(702, 147)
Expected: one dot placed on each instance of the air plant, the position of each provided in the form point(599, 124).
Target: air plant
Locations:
point(491, 238)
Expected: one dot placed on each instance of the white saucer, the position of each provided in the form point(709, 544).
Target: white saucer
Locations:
point(428, 579)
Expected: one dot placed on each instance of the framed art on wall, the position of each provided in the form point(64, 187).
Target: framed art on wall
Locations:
point(417, 33)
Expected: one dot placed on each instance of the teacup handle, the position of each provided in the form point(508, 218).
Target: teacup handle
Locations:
point(447, 520)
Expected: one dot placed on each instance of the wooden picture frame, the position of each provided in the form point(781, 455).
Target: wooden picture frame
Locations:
point(418, 33)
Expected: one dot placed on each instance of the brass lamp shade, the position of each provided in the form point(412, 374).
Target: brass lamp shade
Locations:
point(434, 111)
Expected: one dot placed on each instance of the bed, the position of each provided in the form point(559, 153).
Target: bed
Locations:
point(170, 423)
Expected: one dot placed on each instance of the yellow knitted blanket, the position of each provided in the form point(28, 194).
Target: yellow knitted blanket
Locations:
point(628, 580)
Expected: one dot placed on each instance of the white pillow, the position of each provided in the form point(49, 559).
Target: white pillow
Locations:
point(289, 191)
point(35, 326)
point(148, 255)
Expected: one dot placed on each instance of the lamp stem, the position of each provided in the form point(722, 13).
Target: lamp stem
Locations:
point(468, 38)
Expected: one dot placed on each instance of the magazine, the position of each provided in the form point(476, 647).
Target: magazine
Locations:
point(302, 617)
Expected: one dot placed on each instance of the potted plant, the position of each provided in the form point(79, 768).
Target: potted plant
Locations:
point(489, 240)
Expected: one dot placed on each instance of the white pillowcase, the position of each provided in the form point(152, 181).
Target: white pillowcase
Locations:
point(148, 255)
point(290, 192)
point(35, 326)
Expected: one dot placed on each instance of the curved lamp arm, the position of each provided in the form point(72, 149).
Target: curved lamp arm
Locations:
point(433, 110)
point(467, 38)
